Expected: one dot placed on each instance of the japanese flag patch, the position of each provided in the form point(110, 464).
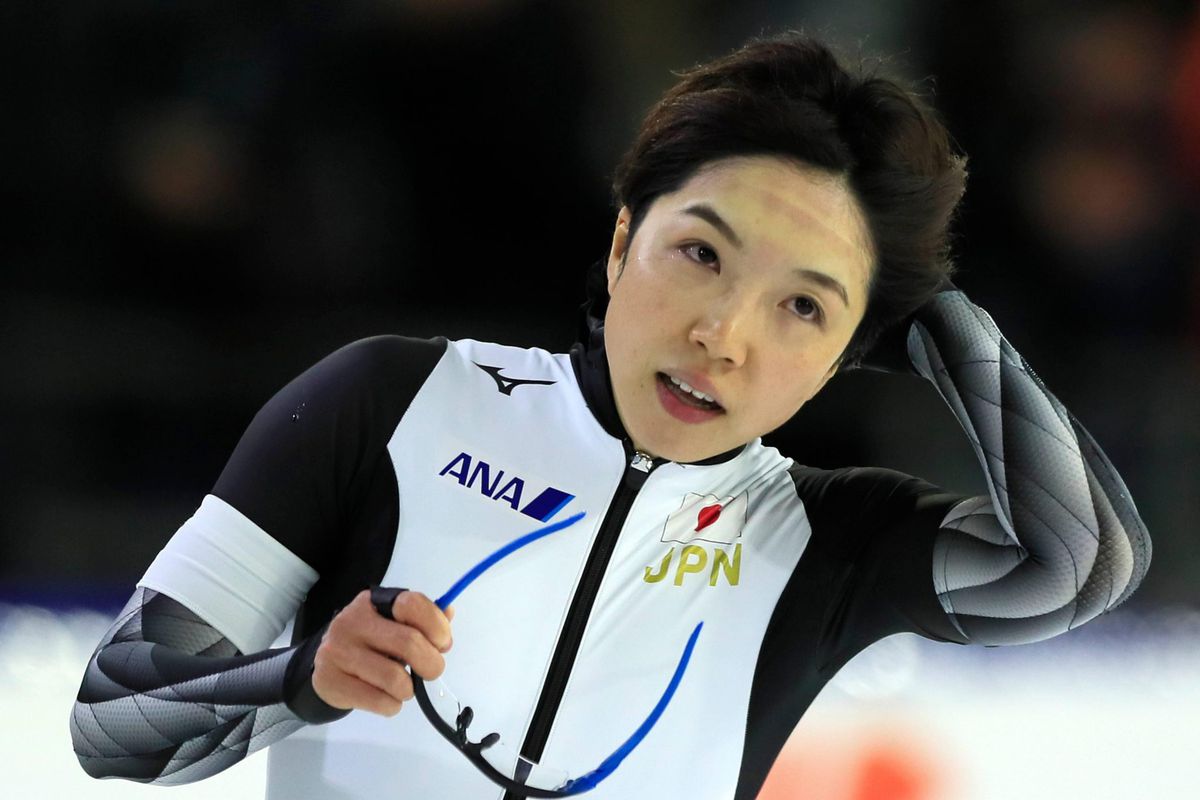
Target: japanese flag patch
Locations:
point(707, 518)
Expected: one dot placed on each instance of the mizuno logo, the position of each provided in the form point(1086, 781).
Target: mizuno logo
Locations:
point(506, 385)
point(494, 484)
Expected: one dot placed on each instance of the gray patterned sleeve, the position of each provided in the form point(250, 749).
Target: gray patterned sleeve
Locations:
point(1058, 540)
point(167, 699)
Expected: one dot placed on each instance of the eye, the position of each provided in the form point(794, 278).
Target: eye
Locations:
point(700, 253)
point(806, 308)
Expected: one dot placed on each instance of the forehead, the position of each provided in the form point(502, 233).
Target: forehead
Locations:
point(779, 209)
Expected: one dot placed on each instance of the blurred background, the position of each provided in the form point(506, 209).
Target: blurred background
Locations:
point(205, 198)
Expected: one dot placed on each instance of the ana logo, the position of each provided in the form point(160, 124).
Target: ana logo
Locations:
point(506, 385)
point(703, 518)
point(494, 484)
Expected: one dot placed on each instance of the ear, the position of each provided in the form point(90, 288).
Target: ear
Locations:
point(620, 243)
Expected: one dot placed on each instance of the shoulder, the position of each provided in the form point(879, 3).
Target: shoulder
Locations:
point(376, 366)
point(375, 357)
point(854, 484)
point(506, 356)
point(853, 507)
point(352, 395)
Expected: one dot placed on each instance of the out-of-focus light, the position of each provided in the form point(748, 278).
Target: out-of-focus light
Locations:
point(41, 650)
point(885, 669)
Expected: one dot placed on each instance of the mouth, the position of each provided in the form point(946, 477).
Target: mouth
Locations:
point(683, 403)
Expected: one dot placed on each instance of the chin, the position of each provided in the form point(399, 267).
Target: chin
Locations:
point(662, 436)
point(685, 451)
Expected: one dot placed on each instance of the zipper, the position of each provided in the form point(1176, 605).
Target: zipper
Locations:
point(563, 662)
point(641, 462)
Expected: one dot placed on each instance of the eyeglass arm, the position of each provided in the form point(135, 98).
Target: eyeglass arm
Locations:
point(516, 544)
point(589, 780)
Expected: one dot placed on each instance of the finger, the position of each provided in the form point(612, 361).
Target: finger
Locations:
point(408, 645)
point(418, 611)
point(353, 623)
point(378, 670)
point(449, 612)
point(347, 691)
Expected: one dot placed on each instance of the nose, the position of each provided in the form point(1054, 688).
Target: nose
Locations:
point(722, 329)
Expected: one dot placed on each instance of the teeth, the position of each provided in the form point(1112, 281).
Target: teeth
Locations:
point(690, 390)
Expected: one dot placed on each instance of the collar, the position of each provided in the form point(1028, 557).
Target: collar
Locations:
point(590, 362)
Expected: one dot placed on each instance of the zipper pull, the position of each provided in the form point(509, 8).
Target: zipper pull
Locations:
point(641, 462)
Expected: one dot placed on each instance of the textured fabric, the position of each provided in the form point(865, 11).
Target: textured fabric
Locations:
point(1059, 540)
point(168, 699)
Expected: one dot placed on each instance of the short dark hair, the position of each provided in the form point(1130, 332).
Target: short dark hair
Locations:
point(786, 95)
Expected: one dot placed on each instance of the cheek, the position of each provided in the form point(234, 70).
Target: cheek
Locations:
point(629, 332)
point(785, 389)
point(653, 288)
point(643, 312)
point(786, 397)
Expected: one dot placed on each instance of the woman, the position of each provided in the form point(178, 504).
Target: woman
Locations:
point(779, 219)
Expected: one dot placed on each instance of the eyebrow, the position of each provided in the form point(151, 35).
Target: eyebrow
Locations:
point(827, 281)
point(710, 215)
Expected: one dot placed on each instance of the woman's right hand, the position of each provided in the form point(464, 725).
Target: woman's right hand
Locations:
point(360, 661)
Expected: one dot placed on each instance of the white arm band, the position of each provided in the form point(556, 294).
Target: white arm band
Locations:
point(232, 574)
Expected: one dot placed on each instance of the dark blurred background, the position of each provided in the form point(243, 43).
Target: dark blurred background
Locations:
point(205, 198)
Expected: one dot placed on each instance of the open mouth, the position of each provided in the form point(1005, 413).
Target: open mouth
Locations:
point(687, 395)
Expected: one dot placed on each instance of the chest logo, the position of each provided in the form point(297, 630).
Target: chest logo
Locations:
point(506, 385)
point(709, 528)
point(707, 518)
point(505, 487)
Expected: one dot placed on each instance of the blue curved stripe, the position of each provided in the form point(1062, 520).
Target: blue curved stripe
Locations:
point(588, 781)
point(512, 546)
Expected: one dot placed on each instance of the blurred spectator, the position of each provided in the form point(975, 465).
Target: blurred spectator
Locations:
point(1186, 118)
point(1185, 97)
point(208, 197)
point(1097, 183)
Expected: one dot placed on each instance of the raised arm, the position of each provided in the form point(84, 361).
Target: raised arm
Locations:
point(1058, 540)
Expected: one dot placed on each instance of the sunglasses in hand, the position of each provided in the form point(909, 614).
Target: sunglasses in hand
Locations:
point(494, 754)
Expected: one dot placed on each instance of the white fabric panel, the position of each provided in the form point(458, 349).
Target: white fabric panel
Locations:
point(507, 624)
point(637, 631)
point(231, 573)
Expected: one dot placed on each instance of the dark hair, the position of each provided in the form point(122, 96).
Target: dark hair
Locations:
point(787, 96)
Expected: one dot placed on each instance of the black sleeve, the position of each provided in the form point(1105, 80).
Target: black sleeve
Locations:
point(310, 456)
point(313, 469)
point(167, 697)
point(875, 531)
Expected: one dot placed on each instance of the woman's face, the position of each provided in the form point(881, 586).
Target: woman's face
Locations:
point(746, 284)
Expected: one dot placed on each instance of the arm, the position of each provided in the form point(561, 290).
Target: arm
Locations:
point(181, 686)
point(1058, 540)
point(168, 699)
